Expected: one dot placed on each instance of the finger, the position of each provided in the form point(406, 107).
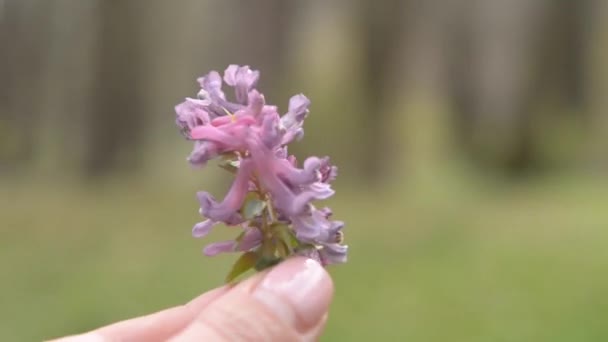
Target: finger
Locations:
point(158, 326)
point(288, 303)
point(161, 325)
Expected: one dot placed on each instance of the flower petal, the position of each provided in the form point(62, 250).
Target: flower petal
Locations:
point(292, 120)
point(256, 103)
point(242, 79)
point(270, 133)
point(227, 210)
point(191, 113)
point(334, 253)
point(203, 152)
point(201, 229)
point(328, 172)
point(226, 137)
point(312, 227)
point(298, 109)
point(326, 212)
point(219, 247)
point(282, 196)
point(299, 177)
point(251, 239)
point(315, 191)
point(211, 89)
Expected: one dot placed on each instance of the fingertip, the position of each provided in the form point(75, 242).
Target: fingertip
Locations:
point(289, 302)
point(299, 291)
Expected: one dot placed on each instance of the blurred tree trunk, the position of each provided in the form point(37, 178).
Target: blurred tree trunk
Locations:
point(262, 27)
point(117, 121)
point(382, 39)
point(597, 82)
point(425, 123)
point(563, 58)
point(494, 76)
point(24, 42)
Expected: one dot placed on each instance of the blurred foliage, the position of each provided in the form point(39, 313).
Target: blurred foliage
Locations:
point(452, 259)
point(471, 139)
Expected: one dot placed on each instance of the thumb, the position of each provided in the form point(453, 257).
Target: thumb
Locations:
point(289, 303)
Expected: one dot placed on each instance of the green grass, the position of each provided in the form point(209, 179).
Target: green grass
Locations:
point(445, 260)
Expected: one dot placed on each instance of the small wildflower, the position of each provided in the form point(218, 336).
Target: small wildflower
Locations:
point(271, 198)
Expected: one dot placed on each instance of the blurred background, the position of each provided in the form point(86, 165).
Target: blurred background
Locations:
point(471, 138)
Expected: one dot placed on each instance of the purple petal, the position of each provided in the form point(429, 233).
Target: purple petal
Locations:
point(336, 226)
point(203, 151)
point(212, 83)
point(242, 79)
point(208, 132)
point(211, 89)
point(271, 136)
point(230, 74)
point(234, 121)
point(226, 137)
point(227, 210)
point(333, 253)
point(326, 212)
point(293, 119)
point(263, 158)
point(201, 229)
point(310, 228)
point(315, 191)
point(298, 177)
point(191, 113)
point(281, 153)
point(219, 247)
point(328, 172)
point(293, 134)
point(251, 239)
point(298, 109)
point(256, 103)
point(320, 191)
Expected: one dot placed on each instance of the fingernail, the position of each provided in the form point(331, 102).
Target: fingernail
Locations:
point(298, 290)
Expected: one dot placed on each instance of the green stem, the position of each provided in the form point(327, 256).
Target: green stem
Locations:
point(270, 209)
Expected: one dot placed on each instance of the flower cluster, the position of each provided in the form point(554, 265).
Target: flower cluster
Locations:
point(271, 197)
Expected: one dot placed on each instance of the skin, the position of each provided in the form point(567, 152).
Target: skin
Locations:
point(288, 303)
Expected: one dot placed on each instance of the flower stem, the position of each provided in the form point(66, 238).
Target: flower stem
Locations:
point(270, 209)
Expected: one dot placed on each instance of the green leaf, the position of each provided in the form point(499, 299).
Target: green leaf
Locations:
point(252, 207)
point(283, 250)
point(265, 262)
point(243, 264)
point(286, 235)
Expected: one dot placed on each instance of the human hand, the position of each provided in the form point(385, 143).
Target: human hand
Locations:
point(288, 303)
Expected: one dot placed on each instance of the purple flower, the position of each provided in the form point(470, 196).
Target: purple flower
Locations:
point(192, 113)
point(327, 254)
point(311, 227)
point(328, 172)
point(223, 134)
point(293, 120)
point(242, 79)
point(251, 239)
point(333, 253)
point(211, 90)
point(271, 197)
point(203, 151)
point(227, 210)
point(201, 229)
point(219, 247)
